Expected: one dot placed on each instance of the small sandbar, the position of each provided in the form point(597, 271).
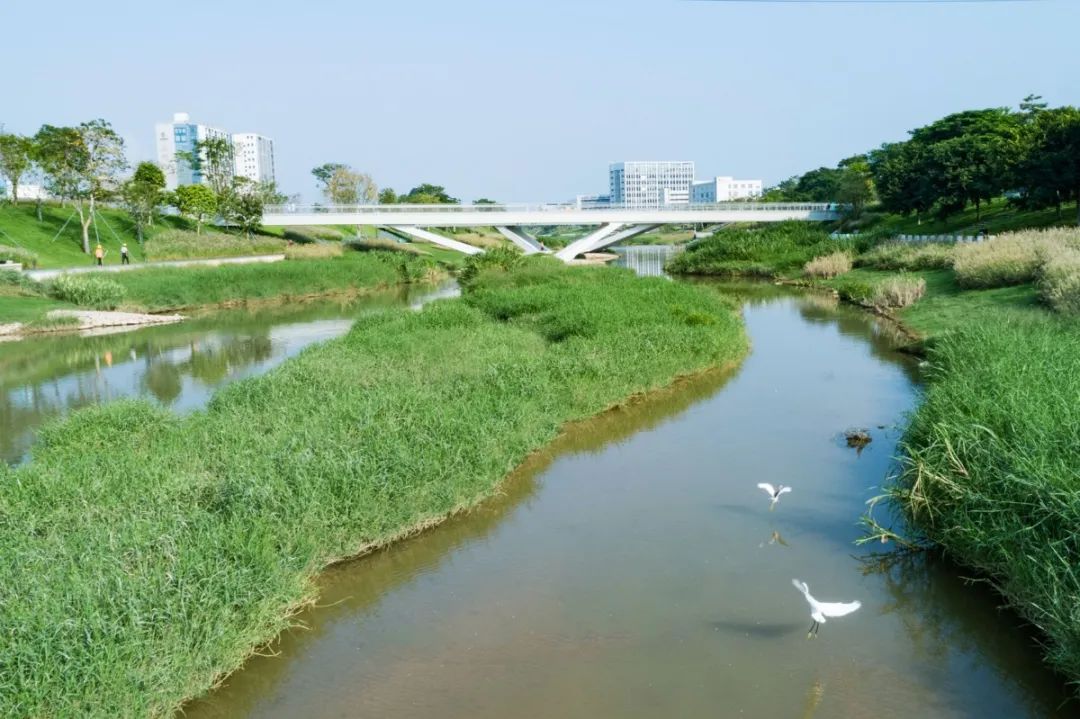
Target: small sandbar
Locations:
point(85, 321)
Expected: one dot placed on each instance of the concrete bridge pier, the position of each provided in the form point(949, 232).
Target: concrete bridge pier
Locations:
point(517, 234)
point(425, 236)
point(609, 234)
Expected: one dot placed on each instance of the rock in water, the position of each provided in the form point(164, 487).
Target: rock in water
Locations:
point(857, 438)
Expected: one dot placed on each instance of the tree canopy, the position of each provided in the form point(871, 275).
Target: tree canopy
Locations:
point(198, 202)
point(16, 158)
point(964, 159)
point(342, 185)
point(428, 194)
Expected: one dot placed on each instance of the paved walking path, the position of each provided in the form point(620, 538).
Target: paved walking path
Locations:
point(214, 262)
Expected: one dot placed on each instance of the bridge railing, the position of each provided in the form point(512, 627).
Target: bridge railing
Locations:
point(297, 209)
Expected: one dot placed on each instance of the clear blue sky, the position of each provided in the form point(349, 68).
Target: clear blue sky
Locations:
point(524, 100)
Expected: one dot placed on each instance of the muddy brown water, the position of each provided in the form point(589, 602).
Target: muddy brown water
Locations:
point(633, 569)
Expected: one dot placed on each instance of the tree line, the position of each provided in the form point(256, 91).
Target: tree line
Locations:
point(340, 184)
point(1031, 155)
point(85, 166)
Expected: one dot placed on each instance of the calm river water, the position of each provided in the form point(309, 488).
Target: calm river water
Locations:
point(178, 365)
point(632, 569)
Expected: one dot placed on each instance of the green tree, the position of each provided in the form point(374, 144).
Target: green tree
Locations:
point(16, 158)
point(899, 180)
point(324, 172)
point(970, 156)
point(198, 202)
point(143, 194)
point(82, 165)
point(342, 185)
point(243, 205)
point(387, 197)
point(855, 185)
point(784, 191)
point(428, 194)
point(212, 162)
point(268, 192)
point(1050, 171)
point(245, 210)
point(820, 185)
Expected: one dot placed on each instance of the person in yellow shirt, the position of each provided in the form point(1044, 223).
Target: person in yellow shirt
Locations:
point(99, 254)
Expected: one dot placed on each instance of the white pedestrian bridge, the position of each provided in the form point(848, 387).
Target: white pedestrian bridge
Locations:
point(613, 224)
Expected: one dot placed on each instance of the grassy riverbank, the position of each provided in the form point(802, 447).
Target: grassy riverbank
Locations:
point(155, 552)
point(992, 455)
point(163, 289)
point(771, 250)
point(991, 473)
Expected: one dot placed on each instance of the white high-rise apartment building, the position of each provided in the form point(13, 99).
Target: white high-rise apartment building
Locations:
point(724, 189)
point(253, 157)
point(650, 184)
point(177, 136)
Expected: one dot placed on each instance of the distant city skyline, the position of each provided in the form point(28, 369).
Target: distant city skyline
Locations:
point(532, 103)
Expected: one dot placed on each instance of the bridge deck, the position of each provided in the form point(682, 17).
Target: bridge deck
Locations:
point(541, 215)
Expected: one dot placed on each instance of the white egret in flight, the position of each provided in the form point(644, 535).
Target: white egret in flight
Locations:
point(820, 610)
point(774, 493)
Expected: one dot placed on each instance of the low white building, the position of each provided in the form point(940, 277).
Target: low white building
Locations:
point(253, 157)
point(724, 189)
point(593, 202)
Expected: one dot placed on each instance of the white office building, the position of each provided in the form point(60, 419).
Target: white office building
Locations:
point(724, 189)
point(650, 184)
point(179, 136)
point(253, 157)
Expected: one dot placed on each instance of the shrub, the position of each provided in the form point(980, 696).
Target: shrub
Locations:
point(315, 251)
point(1010, 259)
point(907, 256)
point(899, 291)
point(498, 259)
point(184, 245)
point(1059, 281)
point(308, 234)
point(854, 290)
point(477, 239)
point(828, 266)
point(88, 291)
point(382, 244)
point(17, 254)
point(760, 251)
point(18, 283)
point(887, 293)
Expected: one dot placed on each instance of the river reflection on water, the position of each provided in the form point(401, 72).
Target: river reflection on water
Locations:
point(178, 365)
point(632, 569)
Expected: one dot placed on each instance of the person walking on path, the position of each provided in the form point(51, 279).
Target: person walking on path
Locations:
point(124, 258)
point(99, 254)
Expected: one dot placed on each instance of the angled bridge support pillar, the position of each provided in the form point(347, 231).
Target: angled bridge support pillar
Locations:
point(606, 236)
point(425, 236)
point(586, 243)
point(516, 234)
